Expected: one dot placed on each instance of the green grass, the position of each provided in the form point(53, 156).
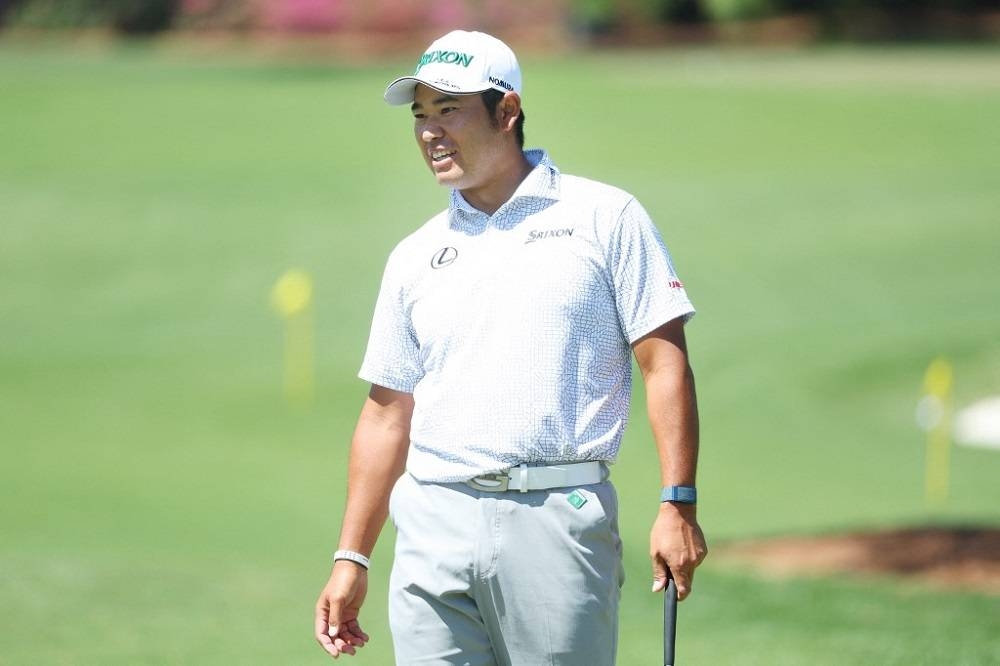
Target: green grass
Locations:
point(833, 214)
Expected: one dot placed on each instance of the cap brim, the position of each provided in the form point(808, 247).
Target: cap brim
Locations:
point(400, 91)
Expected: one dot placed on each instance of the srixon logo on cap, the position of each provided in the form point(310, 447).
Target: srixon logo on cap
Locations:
point(446, 57)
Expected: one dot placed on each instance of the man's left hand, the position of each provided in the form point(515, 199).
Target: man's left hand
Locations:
point(676, 547)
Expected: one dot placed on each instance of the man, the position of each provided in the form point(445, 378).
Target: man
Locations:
point(500, 371)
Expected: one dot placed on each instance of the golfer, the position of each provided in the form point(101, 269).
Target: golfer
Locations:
point(499, 360)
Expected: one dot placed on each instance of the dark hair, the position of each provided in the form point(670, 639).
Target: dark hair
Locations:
point(491, 98)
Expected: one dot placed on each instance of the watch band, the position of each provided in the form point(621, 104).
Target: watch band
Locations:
point(680, 494)
point(351, 555)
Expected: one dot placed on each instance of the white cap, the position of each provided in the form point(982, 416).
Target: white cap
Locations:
point(462, 63)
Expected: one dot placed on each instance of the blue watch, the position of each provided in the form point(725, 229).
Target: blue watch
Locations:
point(679, 494)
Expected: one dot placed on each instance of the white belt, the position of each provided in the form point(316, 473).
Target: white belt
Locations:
point(525, 478)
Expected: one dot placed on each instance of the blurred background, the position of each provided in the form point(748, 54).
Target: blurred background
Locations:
point(197, 198)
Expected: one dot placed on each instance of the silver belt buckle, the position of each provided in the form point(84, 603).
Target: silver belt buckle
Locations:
point(490, 483)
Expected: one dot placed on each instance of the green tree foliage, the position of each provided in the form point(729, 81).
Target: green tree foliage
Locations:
point(144, 16)
point(125, 16)
point(738, 10)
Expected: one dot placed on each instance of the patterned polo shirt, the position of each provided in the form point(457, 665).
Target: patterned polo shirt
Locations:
point(513, 331)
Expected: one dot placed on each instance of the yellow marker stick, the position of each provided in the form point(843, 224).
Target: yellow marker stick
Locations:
point(292, 299)
point(935, 416)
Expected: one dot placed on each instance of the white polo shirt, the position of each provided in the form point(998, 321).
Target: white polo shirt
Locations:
point(513, 331)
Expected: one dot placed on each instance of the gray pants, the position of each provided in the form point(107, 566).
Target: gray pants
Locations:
point(504, 579)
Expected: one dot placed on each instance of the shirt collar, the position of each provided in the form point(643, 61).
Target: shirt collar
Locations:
point(542, 182)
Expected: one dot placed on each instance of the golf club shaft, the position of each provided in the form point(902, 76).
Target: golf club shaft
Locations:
point(669, 622)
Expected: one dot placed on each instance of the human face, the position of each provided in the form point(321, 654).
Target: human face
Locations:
point(459, 141)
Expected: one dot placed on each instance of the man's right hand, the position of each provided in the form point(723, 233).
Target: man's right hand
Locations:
point(378, 457)
point(337, 628)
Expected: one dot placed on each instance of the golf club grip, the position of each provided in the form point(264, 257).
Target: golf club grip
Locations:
point(669, 622)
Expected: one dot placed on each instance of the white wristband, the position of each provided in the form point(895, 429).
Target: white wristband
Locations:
point(357, 558)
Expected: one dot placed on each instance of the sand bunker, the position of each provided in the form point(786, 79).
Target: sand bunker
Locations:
point(965, 558)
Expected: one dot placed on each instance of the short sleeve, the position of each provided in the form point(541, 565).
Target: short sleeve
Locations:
point(392, 358)
point(648, 292)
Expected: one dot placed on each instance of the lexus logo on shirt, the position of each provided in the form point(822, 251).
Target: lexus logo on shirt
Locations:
point(444, 257)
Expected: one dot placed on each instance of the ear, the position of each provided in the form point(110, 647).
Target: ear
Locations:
point(508, 110)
